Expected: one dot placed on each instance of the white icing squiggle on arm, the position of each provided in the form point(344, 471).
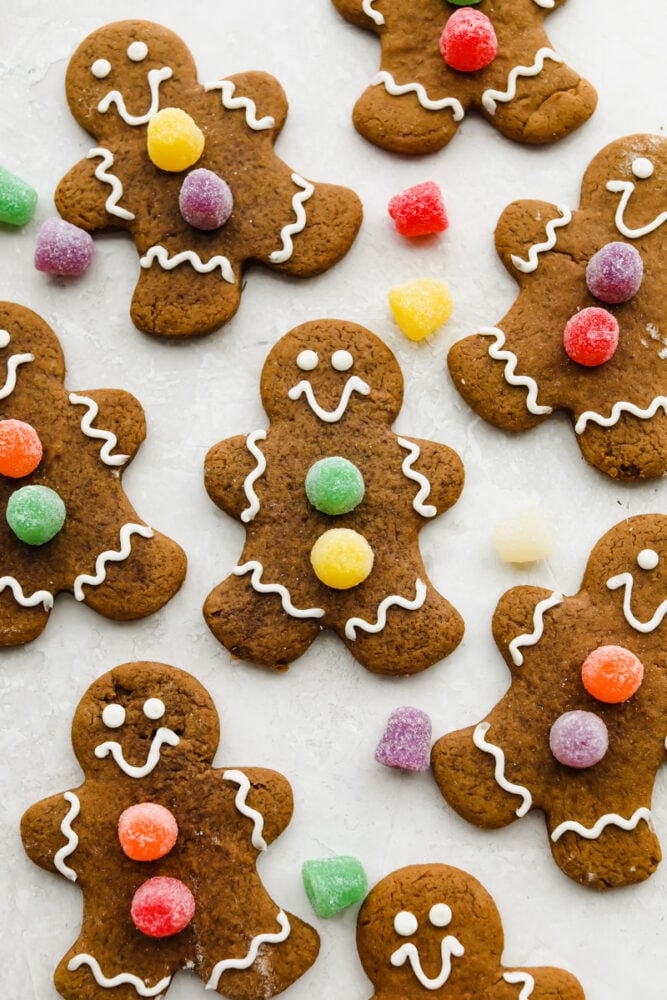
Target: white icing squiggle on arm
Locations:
point(72, 838)
point(426, 510)
point(241, 804)
point(164, 736)
point(625, 189)
point(274, 588)
point(491, 98)
point(660, 402)
point(626, 580)
point(247, 961)
point(393, 601)
point(103, 174)
point(43, 597)
point(12, 364)
point(227, 88)
point(481, 743)
point(94, 580)
point(109, 438)
point(609, 819)
point(155, 78)
point(521, 977)
point(122, 979)
point(375, 15)
point(529, 265)
point(280, 256)
point(399, 89)
point(511, 361)
point(252, 509)
point(167, 263)
point(532, 638)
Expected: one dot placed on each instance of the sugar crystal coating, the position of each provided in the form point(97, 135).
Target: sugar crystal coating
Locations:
point(614, 274)
point(612, 674)
point(420, 307)
point(334, 485)
point(205, 200)
point(591, 336)
point(341, 558)
point(579, 739)
point(419, 210)
point(332, 884)
point(17, 199)
point(63, 248)
point(35, 514)
point(20, 448)
point(173, 139)
point(406, 742)
point(468, 42)
point(147, 831)
point(162, 906)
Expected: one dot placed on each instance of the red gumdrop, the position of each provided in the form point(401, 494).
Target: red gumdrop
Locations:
point(419, 210)
point(612, 674)
point(20, 449)
point(591, 336)
point(162, 906)
point(468, 42)
point(147, 831)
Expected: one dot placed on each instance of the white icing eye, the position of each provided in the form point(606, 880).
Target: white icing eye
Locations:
point(4, 338)
point(642, 168)
point(101, 68)
point(113, 716)
point(405, 923)
point(154, 708)
point(341, 361)
point(440, 915)
point(137, 51)
point(307, 361)
point(648, 559)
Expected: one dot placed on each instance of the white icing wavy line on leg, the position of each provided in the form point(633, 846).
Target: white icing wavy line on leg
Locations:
point(660, 402)
point(251, 955)
point(122, 979)
point(375, 15)
point(398, 89)
point(241, 804)
point(609, 819)
point(491, 98)
point(155, 78)
point(252, 509)
point(426, 510)
point(275, 588)
point(103, 174)
point(227, 88)
point(625, 189)
point(478, 738)
point(511, 362)
point(393, 601)
point(286, 233)
point(94, 580)
point(167, 263)
point(12, 364)
point(529, 265)
point(72, 837)
point(521, 977)
point(626, 580)
point(108, 437)
point(532, 638)
point(43, 597)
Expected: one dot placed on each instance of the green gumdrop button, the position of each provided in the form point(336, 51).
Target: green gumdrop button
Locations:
point(334, 485)
point(35, 514)
point(331, 884)
point(17, 199)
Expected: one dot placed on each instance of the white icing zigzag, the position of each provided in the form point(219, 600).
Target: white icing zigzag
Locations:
point(121, 979)
point(155, 78)
point(12, 364)
point(103, 174)
point(660, 402)
point(164, 736)
point(247, 961)
point(72, 837)
point(94, 580)
point(511, 361)
point(375, 15)
point(481, 743)
point(109, 438)
point(393, 601)
point(252, 509)
point(518, 976)
point(274, 588)
point(625, 189)
point(39, 597)
point(161, 254)
point(626, 580)
point(227, 88)
point(609, 819)
point(491, 98)
point(426, 510)
point(279, 256)
point(527, 266)
point(532, 638)
point(241, 804)
point(398, 89)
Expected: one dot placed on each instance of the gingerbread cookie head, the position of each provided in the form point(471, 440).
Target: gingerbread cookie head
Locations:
point(164, 847)
point(190, 171)
point(433, 931)
point(580, 733)
point(586, 333)
point(440, 60)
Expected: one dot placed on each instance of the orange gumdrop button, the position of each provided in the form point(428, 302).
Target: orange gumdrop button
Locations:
point(612, 674)
point(20, 449)
point(147, 831)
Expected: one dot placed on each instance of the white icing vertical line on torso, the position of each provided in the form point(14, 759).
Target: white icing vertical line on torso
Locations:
point(122, 979)
point(242, 780)
point(104, 175)
point(109, 438)
point(251, 955)
point(94, 580)
point(227, 88)
point(529, 265)
point(491, 98)
point(393, 600)
point(609, 819)
point(286, 233)
point(399, 89)
point(626, 580)
point(426, 510)
point(478, 738)
point(252, 509)
point(532, 638)
point(70, 835)
point(155, 78)
point(511, 361)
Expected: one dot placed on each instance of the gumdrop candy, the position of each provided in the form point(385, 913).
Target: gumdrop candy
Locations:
point(591, 336)
point(420, 307)
point(173, 140)
point(468, 42)
point(406, 742)
point(579, 739)
point(614, 274)
point(35, 514)
point(17, 199)
point(523, 537)
point(63, 248)
point(341, 558)
point(332, 884)
point(20, 448)
point(612, 674)
point(419, 210)
point(334, 485)
point(162, 906)
point(147, 831)
point(205, 200)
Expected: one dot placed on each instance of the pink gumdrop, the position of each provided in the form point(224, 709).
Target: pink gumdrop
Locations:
point(468, 42)
point(63, 248)
point(579, 739)
point(205, 200)
point(162, 906)
point(614, 274)
point(406, 742)
point(591, 336)
point(419, 210)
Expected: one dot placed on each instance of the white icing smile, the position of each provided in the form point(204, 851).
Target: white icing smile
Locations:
point(164, 736)
point(647, 560)
point(341, 361)
point(155, 77)
point(406, 923)
point(642, 169)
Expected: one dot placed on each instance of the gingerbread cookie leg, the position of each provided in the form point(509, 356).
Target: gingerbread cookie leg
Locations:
point(166, 290)
point(86, 972)
point(22, 616)
point(403, 119)
point(623, 445)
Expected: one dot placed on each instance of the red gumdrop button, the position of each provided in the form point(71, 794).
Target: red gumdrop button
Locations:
point(147, 831)
point(591, 336)
point(419, 210)
point(20, 449)
point(612, 674)
point(162, 906)
point(468, 42)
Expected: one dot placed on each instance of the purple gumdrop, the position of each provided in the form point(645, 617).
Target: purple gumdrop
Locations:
point(579, 739)
point(205, 200)
point(614, 273)
point(406, 742)
point(63, 248)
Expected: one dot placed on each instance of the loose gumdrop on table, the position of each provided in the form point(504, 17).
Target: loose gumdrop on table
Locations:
point(63, 249)
point(591, 336)
point(612, 674)
point(162, 906)
point(17, 199)
point(174, 140)
point(334, 485)
point(35, 514)
point(579, 739)
point(406, 742)
point(419, 210)
point(614, 274)
point(419, 307)
point(20, 448)
point(147, 831)
point(332, 884)
point(523, 537)
point(468, 42)
point(205, 200)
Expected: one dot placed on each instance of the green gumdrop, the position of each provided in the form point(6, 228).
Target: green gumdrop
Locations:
point(35, 514)
point(17, 199)
point(331, 884)
point(334, 485)
point(465, 3)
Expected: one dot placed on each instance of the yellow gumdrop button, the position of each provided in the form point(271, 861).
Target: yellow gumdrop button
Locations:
point(174, 141)
point(420, 307)
point(341, 558)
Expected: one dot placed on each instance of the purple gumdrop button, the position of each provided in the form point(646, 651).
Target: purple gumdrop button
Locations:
point(406, 742)
point(63, 248)
point(614, 273)
point(579, 739)
point(205, 200)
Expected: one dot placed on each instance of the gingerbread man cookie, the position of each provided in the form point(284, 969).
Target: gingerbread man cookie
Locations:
point(587, 331)
point(433, 931)
point(190, 171)
point(67, 523)
point(581, 732)
point(441, 59)
point(333, 502)
point(164, 848)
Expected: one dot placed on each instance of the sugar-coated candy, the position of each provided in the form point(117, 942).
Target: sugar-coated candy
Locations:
point(523, 536)
point(35, 514)
point(205, 200)
point(63, 248)
point(468, 42)
point(614, 274)
point(419, 210)
point(406, 742)
point(162, 906)
point(334, 485)
point(147, 831)
point(612, 674)
point(173, 139)
point(579, 739)
point(591, 336)
point(20, 448)
point(341, 558)
point(420, 307)
point(332, 884)
point(17, 199)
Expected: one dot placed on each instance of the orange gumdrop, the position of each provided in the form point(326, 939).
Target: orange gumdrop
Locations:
point(147, 831)
point(20, 449)
point(612, 674)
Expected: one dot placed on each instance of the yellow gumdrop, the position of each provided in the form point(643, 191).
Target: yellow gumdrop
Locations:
point(420, 307)
point(174, 141)
point(341, 558)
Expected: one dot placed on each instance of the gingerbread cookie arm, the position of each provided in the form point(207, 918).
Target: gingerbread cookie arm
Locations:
point(115, 419)
point(527, 229)
point(256, 94)
point(85, 201)
point(265, 797)
point(363, 13)
point(627, 442)
point(48, 832)
point(543, 983)
point(23, 616)
point(437, 472)
point(520, 618)
point(231, 470)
